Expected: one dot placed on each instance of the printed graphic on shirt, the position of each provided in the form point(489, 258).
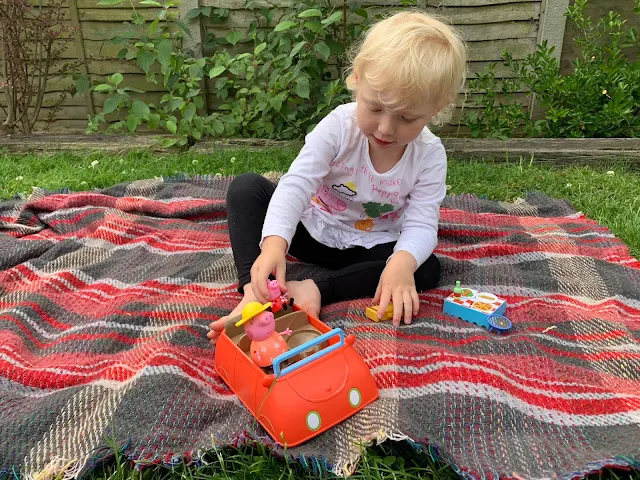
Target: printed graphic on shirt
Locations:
point(348, 189)
point(393, 216)
point(375, 210)
point(325, 198)
point(320, 204)
point(379, 211)
point(365, 225)
point(386, 189)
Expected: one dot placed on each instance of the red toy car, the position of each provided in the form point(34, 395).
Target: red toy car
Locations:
point(319, 382)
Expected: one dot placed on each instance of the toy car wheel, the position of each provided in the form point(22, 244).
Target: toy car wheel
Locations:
point(499, 323)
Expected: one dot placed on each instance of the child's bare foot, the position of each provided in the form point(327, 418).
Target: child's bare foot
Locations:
point(217, 327)
point(306, 295)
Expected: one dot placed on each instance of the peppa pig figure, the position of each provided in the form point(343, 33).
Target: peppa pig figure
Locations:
point(260, 326)
point(276, 298)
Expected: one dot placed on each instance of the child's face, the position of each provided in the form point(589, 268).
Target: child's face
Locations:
point(388, 131)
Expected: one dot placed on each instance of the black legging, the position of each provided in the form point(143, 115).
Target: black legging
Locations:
point(355, 271)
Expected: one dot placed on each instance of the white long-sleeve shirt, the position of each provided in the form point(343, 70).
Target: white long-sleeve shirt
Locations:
point(333, 189)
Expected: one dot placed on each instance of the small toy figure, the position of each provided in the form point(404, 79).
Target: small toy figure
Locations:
point(260, 326)
point(276, 298)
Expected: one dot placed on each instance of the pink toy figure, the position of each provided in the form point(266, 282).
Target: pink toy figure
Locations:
point(274, 289)
point(260, 327)
point(278, 300)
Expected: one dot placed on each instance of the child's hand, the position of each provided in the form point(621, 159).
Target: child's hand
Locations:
point(270, 261)
point(397, 284)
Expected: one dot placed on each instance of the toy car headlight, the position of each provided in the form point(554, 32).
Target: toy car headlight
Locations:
point(313, 420)
point(355, 397)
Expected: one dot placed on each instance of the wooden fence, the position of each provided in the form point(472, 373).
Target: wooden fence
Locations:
point(488, 26)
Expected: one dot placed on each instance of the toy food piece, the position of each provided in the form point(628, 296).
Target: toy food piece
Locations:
point(457, 290)
point(499, 323)
point(482, 308)
point(260, 326)
point(372, 313)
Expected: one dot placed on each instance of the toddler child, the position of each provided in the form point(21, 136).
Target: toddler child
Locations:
point(363, 196)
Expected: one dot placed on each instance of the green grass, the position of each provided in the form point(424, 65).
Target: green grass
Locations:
point(391, 460)
point(611, 199)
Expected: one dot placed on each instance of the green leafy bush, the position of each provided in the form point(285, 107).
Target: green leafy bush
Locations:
point(280, 87)
point(285, 84)
point(599, 98)
point(499, 115)
point(156, 48)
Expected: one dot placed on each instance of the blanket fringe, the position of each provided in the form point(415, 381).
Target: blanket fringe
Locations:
point(67, 469)
point(58, 468)
point(346, 468)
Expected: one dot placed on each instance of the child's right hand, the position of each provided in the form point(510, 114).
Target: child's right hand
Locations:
point(270, 261)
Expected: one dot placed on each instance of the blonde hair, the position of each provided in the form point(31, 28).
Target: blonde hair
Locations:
point(411, 58)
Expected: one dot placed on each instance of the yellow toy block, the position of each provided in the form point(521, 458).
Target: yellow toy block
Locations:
point(372, 313)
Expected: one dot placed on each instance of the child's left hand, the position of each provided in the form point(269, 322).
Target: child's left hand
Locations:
point(397, 284)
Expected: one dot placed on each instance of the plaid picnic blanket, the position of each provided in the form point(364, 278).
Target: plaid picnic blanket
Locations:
point(105, 298)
